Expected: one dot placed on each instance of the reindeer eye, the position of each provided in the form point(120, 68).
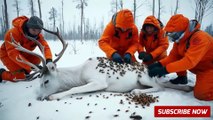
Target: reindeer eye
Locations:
point(46, 81)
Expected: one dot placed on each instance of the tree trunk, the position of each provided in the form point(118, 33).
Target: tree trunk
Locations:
point(62, 2)
point(17, 7)
point(134, 10)
point(176, 8)
point(82, 19)
point(6, 16)
point(153, 8)
point(39, 8)
point(32, 8)
point(159, 9)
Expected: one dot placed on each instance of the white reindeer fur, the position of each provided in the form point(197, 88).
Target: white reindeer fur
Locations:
point(63, 82)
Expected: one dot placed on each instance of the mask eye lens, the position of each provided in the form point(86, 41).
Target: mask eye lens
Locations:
point(174, 35)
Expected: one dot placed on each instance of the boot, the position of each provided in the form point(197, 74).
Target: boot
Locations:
point(179, 80)
point(1, 71)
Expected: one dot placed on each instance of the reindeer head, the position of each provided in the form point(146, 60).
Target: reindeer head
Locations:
point(44, 73)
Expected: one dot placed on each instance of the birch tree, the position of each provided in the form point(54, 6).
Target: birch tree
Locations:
point(203, 8)
point(39, 8)
point(81, 5)
point(32, 10)
point(16, 5)
point(5, 16)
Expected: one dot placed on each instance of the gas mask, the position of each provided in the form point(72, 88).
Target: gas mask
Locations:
point(175, 36)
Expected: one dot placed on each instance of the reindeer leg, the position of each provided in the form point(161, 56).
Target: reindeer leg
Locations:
point(89, 87)
point(148, 90)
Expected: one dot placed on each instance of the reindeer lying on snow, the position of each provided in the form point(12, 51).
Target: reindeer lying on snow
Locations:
point(95, 74)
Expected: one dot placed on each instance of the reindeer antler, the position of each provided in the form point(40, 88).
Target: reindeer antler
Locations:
point(59, 55)
point(21, 59)
point(35, 68)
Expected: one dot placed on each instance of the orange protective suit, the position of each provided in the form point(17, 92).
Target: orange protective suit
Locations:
point(155, 44)
point(8, 53)
point(113, 40)
point(194, 52)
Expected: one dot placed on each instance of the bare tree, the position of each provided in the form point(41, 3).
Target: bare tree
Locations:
point(177, 6)
point(81, 5)
point(134, 9)
point(53, 16)
point(39, 8)
point(62, 13)
point(114, 5)
point(159, 9)
point(153, 8)
point(6, 21)
point(32, 10)
point(16, 5)
point(121, 4)
point(2, 29)
point(203, 8)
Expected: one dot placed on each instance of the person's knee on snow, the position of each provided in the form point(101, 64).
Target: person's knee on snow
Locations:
point(203, 95)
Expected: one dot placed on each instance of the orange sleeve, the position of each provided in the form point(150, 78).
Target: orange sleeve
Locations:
point(134, 43)
point(173, 56)
point(199, 45)
point(163, 45)
point(105, 40)
point(12, 52)
point(140, 43)
point(47, 50)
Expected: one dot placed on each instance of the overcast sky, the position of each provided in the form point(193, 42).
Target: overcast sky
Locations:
point(98, 10)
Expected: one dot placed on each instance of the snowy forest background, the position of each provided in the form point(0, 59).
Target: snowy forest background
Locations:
point(86, 19)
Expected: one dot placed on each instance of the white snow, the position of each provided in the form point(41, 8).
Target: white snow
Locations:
point(18, 100)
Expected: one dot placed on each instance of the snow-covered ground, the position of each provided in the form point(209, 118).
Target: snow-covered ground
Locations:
point(18, 100)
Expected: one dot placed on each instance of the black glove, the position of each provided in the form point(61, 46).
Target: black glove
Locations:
point(1, 72)
point(179, 80)
point(141, 55)
point(148, 57)
point(117, 58)
point(154, 65)
point(48, 60)
point(157, 71)
point(127, 58)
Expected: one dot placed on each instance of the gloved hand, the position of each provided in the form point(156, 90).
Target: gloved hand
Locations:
point(157, 71)
point(50, 65)
point(154, 65)
point(179, 80)
point(117, 58)
point(141, 55)
point(146, 57)
point(127, 58)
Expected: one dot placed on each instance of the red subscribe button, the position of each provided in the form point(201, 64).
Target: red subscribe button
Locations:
point(182, 111)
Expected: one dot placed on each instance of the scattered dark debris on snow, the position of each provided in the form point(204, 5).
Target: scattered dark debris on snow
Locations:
point(105, 66)
point(136, 117)
point(142, 99)
point(87, 117)
point(116, 115)
point(29, 104)
point(90, 112)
